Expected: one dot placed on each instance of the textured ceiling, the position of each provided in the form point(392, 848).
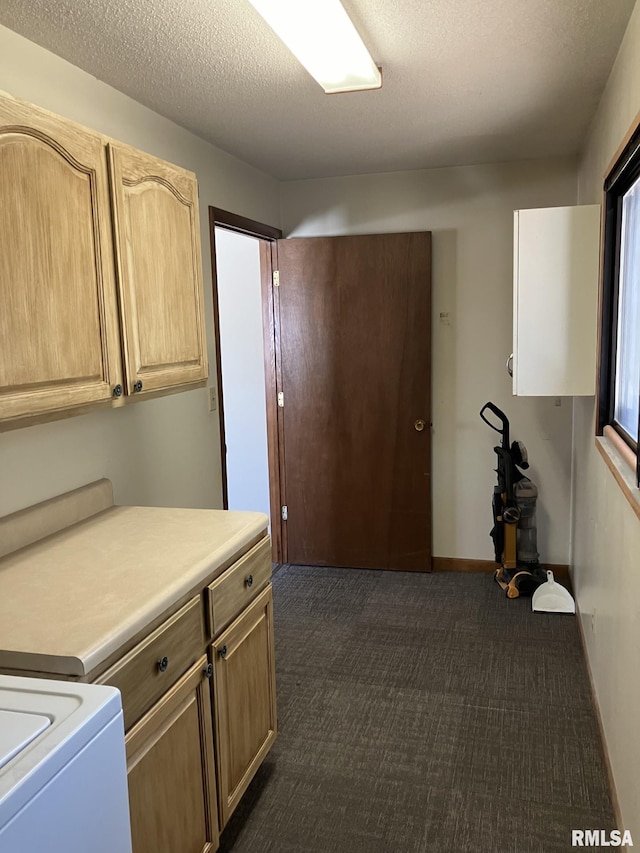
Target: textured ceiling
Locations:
point(465, 81)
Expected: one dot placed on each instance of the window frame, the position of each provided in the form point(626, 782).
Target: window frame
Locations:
point(620, 177)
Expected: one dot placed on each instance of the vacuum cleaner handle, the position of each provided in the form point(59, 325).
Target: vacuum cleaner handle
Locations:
point(504, 431)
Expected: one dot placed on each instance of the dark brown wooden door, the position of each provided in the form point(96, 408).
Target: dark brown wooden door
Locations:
point(355, 345)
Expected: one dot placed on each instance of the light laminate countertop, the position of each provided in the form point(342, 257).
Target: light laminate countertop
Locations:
point(71, 600)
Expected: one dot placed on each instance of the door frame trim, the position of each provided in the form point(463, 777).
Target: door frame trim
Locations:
point(267, 235)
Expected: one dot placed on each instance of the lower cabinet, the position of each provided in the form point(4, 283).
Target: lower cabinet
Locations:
point(170, 762)
point(197, 683)
point(245, 699)
point(179, 704)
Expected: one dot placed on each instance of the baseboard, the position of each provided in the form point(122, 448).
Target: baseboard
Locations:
point(617, 813)
point(457, 564)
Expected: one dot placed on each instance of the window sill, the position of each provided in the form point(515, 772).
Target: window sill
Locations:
point(621, 466)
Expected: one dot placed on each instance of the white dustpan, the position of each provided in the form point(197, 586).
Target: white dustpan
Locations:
point(551, 597)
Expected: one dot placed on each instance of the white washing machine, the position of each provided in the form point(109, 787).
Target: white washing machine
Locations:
point(63, 776)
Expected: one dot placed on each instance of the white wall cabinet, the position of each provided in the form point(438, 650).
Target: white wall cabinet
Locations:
point(555, 301)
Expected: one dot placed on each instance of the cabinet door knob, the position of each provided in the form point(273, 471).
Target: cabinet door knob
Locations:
point(163, 663)
point(137, 386)
point(249, 580)
point(208, 670)
point(223, 652)
point(509, 365)
point(117, 390)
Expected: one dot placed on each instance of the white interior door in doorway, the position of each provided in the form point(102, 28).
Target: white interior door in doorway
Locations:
point(242, 364)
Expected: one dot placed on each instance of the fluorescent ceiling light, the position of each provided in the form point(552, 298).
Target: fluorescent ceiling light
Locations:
point(321, 36)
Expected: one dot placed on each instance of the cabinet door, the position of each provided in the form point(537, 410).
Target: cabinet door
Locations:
point(159, 270)
point(245, 699)
point(58, 312)
point(556, 269)
point(172, 795)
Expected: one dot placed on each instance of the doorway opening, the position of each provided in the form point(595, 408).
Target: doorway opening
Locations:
point(345, 382)
point(239, 247)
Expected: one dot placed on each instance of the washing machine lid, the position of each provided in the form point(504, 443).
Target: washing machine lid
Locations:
point(77, 713)
point(17, 730)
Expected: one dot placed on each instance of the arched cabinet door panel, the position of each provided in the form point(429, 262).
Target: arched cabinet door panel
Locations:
point(59, 339)
point(159, 270)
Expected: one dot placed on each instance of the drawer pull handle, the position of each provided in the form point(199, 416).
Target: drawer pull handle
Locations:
point(223, 653)
point(208, 670)
point(249, 580)
point(163, 663)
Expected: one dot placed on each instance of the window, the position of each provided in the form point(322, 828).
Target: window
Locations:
point(619, 397)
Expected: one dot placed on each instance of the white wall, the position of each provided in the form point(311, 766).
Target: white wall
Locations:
point(157, 452)
point(606, 551)
point(470, 212)
point(242, 360)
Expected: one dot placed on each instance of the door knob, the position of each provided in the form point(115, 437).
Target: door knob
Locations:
point(420, 425)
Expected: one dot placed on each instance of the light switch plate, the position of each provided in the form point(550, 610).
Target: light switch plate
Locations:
point(212, 399)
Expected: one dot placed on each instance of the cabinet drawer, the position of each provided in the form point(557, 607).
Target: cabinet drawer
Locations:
point(235, 588)
point(149, 669)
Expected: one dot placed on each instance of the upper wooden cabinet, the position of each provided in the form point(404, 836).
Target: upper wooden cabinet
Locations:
point(159, 270)
point(101, 291)
point(58, 313)
point(555, 301)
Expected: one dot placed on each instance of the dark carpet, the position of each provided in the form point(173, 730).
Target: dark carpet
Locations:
point(422, 713)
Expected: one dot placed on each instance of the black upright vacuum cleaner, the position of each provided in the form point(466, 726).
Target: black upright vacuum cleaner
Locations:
point(514, 530)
